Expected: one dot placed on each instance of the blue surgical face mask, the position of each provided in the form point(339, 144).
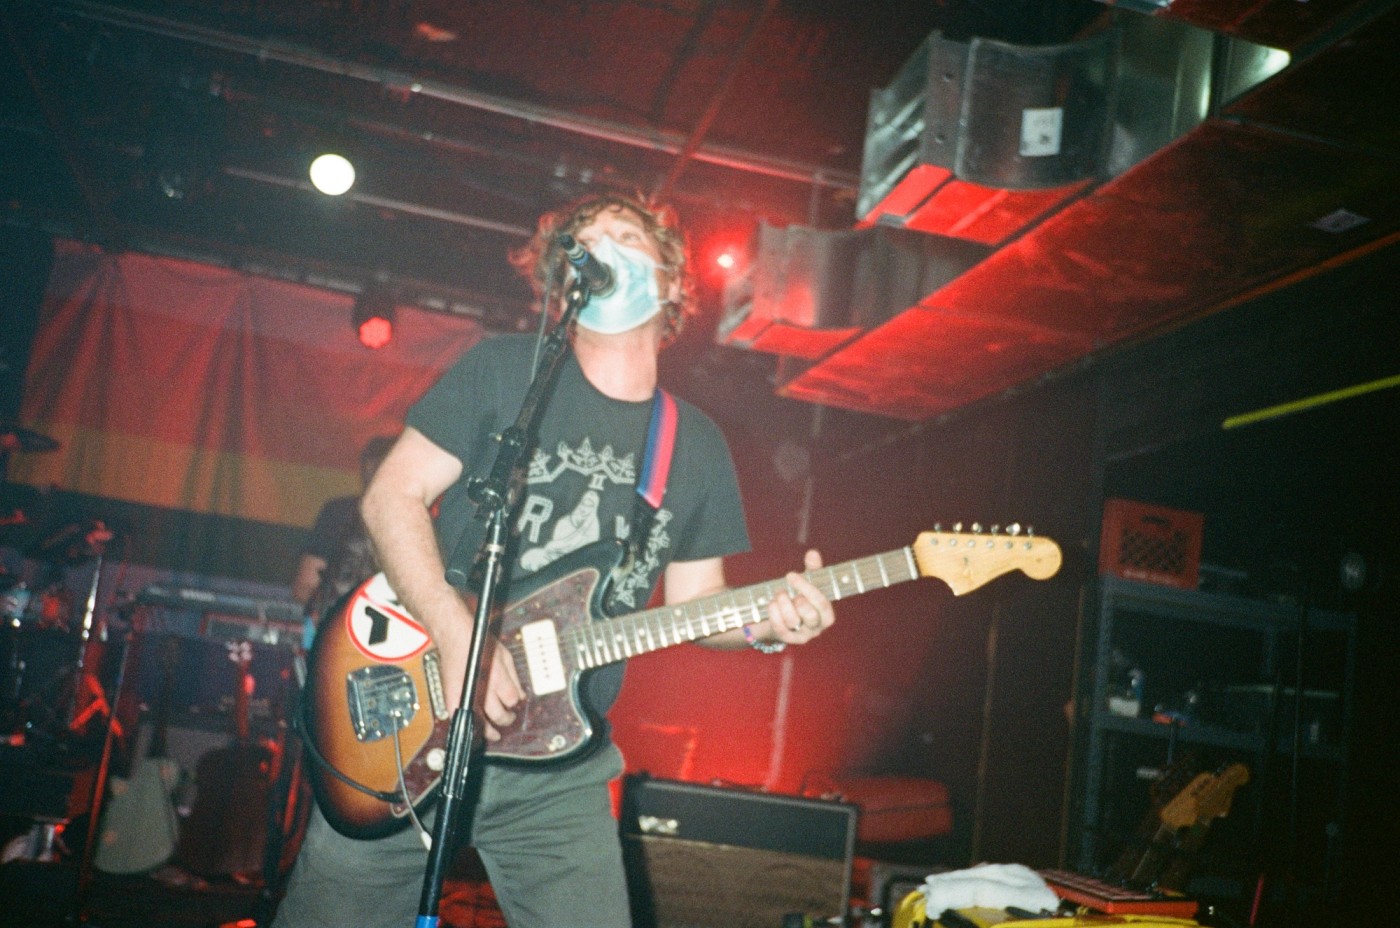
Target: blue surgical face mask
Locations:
point(636, 296)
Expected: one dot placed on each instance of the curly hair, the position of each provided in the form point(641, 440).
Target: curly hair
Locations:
point(541, 259)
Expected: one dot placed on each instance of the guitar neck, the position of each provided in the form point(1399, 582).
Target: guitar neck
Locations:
point(610, 640)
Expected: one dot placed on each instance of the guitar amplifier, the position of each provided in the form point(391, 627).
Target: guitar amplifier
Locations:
point(710, 857)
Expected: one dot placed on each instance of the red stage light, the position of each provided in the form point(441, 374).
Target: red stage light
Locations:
point(373, 316)
point(376, 331)
point(723, 258)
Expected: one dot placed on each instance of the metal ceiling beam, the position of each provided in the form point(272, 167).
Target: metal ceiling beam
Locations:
point(658, 140)
point(697, 136)
point(401, 206)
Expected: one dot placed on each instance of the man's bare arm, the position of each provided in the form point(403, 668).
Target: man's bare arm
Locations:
point(396, 508)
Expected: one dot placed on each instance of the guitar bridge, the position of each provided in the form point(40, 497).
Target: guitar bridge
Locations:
point(382, 700)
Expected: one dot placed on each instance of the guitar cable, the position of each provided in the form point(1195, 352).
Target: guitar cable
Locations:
point(306, 729)
point(423, 835)
point(400, 796)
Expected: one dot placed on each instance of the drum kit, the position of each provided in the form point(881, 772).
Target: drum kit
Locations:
point(63, 687)
point(43, 618)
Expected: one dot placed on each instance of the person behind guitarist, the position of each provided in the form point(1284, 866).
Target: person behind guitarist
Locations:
point(545, 833)
point(338, 556)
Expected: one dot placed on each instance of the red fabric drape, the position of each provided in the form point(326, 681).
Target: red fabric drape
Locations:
point(187, 386)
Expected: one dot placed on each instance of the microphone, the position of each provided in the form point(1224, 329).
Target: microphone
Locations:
point(596, 275)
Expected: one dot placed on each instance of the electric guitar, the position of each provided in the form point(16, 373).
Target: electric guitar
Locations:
point(1179, 829)
point(375, 716)
point(140, 827)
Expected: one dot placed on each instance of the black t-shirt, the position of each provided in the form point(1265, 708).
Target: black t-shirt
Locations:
point(340, 539)
point(582, 476)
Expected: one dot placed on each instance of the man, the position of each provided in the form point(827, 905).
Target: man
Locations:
point(545, 833)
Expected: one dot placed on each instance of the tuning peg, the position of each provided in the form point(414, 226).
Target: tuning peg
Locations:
point(1014, 528)
point(957, 526)
point(977, 528)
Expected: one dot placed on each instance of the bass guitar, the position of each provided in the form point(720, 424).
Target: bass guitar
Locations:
point(375, 716)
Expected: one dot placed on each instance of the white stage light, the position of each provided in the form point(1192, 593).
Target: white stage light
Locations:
point(332, 174)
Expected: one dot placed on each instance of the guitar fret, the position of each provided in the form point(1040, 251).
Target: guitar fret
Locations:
point(761, 601)
point(742, 617)
point(860, 584)
point(731, 607)
point(614, 639)
point(600, 649)
point(704, 624)
point(758, 604)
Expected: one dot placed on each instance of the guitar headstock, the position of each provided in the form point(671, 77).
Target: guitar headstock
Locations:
point(967, 560)
point(1208, 797)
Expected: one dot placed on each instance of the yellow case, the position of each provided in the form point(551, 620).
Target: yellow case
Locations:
point(910, 914)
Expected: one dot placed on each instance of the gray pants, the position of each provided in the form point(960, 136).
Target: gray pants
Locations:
point(546, 836)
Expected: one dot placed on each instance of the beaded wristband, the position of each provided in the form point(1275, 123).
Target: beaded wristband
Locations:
point(762, 646)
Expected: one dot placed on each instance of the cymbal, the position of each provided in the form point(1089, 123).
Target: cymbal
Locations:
point(73, 544)
point(17, 438)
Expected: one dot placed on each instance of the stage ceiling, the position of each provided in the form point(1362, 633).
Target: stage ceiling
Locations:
point(185, 129)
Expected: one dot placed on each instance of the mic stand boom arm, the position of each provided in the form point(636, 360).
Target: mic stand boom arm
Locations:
point(493, 498)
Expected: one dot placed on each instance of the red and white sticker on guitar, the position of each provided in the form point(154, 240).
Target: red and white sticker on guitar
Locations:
point(379, 626)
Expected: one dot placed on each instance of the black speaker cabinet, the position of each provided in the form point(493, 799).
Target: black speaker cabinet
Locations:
point(709, 857)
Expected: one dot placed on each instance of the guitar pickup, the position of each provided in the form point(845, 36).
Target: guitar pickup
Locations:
point(382, 700)
point(543, 662)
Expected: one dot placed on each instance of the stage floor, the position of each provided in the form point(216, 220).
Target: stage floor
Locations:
point(43, 895)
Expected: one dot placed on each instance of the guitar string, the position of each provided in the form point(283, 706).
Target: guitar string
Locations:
point(590, 640)
point(625, 638)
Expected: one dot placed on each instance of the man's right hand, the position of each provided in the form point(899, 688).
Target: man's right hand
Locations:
point(499, 692)
point(502, 693)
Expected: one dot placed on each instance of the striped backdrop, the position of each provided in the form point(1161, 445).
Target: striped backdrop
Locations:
point(220, 399)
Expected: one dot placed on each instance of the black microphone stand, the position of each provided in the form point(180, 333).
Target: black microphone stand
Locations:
point(493, 498)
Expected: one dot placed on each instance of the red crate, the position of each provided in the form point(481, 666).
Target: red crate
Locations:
point(1150, 543)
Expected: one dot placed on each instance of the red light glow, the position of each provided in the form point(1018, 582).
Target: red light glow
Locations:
point(376, 331)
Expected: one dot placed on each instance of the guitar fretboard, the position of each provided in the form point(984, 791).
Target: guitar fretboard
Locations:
point(597, 643)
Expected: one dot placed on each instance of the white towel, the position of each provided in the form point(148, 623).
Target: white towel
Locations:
point(993, 886)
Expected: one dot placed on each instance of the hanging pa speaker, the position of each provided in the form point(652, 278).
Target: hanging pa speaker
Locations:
point(711, 857)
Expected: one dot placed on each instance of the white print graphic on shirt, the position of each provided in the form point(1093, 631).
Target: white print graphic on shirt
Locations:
point(543, 544)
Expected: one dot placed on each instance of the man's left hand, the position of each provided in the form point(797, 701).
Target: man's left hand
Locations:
point(803, 613)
